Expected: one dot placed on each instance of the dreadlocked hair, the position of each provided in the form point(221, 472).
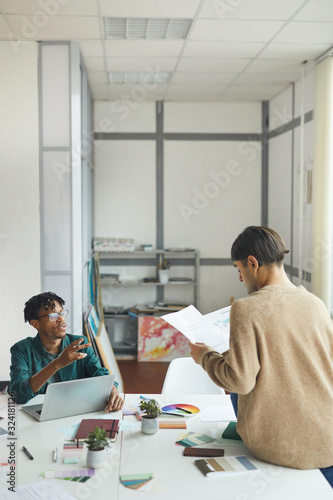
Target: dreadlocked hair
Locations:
point(45, 299)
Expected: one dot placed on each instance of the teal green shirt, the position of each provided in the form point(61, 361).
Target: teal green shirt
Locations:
point(28, 357)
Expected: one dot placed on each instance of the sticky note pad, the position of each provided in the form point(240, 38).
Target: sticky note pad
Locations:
point(71, 460)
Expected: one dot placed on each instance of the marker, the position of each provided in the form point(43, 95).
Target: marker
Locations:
point(143, 397)
point(55, 455)
point(137, 412)
point(27, 453)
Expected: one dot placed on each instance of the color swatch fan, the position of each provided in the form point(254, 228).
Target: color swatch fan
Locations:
point(181, 409)
point(136, 481)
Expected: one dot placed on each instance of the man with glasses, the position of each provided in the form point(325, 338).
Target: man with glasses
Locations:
point(52, 355)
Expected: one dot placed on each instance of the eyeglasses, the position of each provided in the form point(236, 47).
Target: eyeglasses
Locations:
point(55, 316)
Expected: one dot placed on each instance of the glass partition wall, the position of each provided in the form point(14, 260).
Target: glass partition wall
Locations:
point(65, 178)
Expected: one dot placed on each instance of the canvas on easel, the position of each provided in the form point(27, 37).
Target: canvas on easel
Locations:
point(94, 281)
point(107, 355)
point(95, 326)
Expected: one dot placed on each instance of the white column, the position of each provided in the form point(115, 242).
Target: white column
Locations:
point(322, 183)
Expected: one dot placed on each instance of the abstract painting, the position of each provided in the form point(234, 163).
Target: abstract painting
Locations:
point(159, 341)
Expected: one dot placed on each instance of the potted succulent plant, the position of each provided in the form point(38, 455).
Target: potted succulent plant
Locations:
point(97, 441)
point(151, 411)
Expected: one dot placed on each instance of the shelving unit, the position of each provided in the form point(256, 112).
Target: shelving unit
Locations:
point(122, 328)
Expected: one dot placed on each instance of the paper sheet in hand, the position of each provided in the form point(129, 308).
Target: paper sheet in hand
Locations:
point(212, 329)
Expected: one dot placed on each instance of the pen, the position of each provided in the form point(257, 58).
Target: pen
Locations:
point(182, 409)
point(27, 453)
point(55, 455)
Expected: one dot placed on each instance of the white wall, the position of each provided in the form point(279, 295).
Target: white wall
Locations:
point(211, 189)
point(284, 211)
point(211, 193)
point(125, 190)
point(124, 117)
point(19, 192)
point(214, 118)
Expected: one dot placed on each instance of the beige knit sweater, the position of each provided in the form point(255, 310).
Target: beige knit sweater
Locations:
point(280, 363)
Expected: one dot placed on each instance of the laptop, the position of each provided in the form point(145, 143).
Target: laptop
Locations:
point(65, 399)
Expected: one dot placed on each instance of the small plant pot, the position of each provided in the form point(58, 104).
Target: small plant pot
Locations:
point(149, 425)
point(96, 459)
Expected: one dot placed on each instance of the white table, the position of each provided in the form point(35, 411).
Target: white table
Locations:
point(181, 479)
point(41, 439)
point(135, 452)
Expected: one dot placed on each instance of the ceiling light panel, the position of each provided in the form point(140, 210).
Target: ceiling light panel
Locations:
point(145, 28)
point(139, 77)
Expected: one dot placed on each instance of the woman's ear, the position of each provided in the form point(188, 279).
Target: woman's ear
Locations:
point(252, 263)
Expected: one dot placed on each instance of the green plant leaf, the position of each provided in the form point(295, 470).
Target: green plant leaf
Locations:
point(150, 407)
point(97, 439)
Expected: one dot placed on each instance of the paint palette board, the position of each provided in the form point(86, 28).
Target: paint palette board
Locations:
point(185, 410)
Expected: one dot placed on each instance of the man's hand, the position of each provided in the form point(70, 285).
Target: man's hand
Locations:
point(72, 353)
point(196, 350)
point(69, 354)
point(115, 401)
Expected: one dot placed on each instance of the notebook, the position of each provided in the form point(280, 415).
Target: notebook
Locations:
point(88, 425)
point(231, 432)
point(64, 399)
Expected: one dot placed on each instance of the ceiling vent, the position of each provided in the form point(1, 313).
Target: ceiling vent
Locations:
point(157, 77)
point(144, 28)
